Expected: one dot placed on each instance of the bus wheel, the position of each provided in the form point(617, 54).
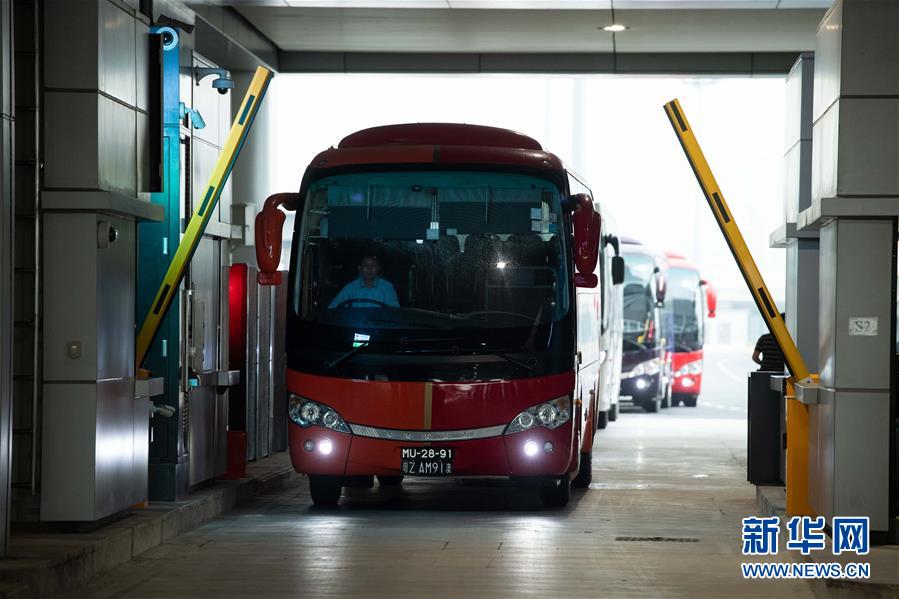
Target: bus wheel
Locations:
point(390, 481)
point(557, 496)
point(585, 472)
point(613, 413)
point(602, 420)
point(690, 401)
point(652, 405)
point(325, 490)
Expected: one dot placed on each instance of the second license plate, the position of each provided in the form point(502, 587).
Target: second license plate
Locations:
point(427, 461)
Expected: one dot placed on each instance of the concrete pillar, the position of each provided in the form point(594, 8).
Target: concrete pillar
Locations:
point(95, 129)
point(6, 266)
point(26, 263)
point(801, 246)
point(850, 427)
point(855, 202)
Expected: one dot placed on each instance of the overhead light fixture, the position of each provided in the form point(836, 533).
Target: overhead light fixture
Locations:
point(614, 28)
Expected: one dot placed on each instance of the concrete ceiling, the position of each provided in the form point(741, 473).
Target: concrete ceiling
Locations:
point(536, 4)
point(536, 26)
point(549, 30)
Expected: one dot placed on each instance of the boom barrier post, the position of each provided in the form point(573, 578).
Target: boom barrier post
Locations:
point(800, 380)
point(168, 289)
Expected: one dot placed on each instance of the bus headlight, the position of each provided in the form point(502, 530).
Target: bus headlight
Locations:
point(550, 414)
point(649, 368)
point(306, 413)
point(693, 368)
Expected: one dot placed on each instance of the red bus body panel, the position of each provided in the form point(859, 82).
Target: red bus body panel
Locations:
point(681, 384)
point(690, 384)
point(422, 406)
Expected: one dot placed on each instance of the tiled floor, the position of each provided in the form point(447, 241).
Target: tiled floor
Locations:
point(662, 519)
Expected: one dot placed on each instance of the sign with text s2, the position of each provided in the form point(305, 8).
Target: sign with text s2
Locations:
point(863, 326)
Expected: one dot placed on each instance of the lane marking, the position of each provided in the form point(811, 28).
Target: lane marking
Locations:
point(729, 373)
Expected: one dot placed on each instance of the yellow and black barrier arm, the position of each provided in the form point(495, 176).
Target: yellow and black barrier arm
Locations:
point(168, 289)
point(797, 413)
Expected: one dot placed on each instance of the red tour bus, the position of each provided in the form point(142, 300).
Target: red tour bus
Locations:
point(443, 312)
point(691, 298)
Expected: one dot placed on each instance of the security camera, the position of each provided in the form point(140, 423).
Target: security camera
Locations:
point(222, 83)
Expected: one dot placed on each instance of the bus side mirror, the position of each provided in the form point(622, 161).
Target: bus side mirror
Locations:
point(269, 223)
point(661, 287)
point(711, 297)
point(587, 225)
point(617, 270)
point(616, 243)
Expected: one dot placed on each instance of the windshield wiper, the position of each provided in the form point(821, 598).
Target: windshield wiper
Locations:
point(403, 342)
point(454, 348)
point(529, 365)
point(496, 313)
point(331, 364)
point(403, 322)
point(407, 344)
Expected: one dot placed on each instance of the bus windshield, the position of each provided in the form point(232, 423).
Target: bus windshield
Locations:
point(684, 293)
point(473, 259)
point(639, 301)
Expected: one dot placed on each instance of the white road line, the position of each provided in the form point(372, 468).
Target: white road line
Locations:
point(729, 373)
point(719, 406)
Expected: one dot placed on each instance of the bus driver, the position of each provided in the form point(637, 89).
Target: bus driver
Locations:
point(368, 286)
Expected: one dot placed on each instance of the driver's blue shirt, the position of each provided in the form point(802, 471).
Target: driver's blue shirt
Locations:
point(382, 291)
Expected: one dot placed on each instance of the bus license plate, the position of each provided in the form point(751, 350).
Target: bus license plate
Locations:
point(427, 461)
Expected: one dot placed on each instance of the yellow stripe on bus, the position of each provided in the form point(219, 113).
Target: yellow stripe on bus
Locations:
point(197, 225)
point(755, 282)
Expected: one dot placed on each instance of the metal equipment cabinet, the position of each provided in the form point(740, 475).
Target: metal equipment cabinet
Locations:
point(95, 431)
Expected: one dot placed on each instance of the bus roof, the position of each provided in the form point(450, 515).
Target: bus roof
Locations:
point(633, 245)
point(439, 134)
point(680, 261)
point(439, 146)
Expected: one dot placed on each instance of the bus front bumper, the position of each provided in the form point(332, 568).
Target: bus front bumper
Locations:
point(687, 384)
point(640, 388)
point(320, 451)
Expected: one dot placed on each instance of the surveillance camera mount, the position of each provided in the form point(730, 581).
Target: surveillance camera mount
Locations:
point(222, 83)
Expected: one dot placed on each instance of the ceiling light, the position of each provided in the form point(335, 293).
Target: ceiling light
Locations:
point(614, 28)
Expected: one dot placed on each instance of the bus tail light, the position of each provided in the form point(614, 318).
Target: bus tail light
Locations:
point(306, 413)
point(550, 414)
